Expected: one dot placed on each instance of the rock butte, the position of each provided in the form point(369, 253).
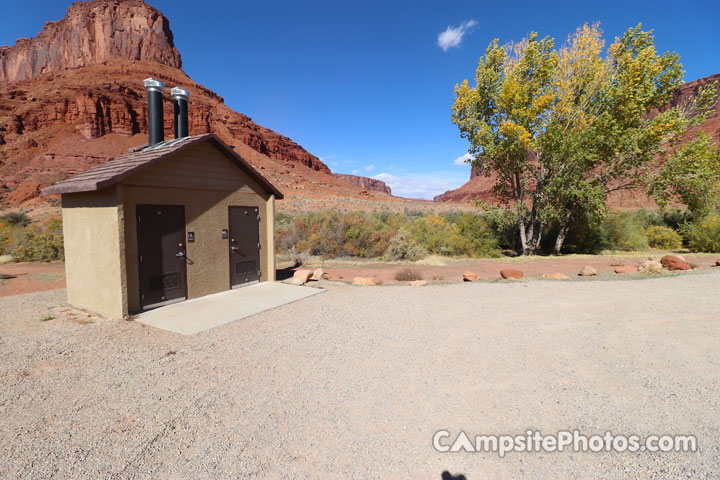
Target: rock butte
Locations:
point(72, 98)
point(365, 183)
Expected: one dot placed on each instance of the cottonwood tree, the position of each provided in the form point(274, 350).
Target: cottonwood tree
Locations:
point(503, 116)
point(593, 134)
point(691, 175)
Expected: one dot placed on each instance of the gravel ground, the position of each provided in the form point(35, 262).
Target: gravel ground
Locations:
point(354, 382)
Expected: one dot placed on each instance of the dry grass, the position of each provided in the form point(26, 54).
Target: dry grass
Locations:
point(651, 266)
point(46, 277)
point(408, 275)
point(295, 205)
point(435, 261)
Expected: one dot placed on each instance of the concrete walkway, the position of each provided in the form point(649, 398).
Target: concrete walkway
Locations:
point(200, 314)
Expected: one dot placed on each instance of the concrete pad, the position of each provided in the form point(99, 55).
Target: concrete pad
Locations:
point(200, 314)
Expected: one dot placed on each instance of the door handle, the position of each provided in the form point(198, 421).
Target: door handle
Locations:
point(234, 248)
point(180, 254)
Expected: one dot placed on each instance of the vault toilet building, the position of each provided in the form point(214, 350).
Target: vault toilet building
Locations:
point(171, 220)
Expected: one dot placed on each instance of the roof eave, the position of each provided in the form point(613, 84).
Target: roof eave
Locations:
point(92, 186)
point(257, 176)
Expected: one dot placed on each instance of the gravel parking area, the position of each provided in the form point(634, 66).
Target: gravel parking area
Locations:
point(354, 383)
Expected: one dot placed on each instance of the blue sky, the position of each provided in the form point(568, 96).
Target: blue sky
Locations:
point(367, 86)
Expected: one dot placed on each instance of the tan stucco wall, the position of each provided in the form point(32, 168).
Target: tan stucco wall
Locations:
point(94, 251)
point(101, 236)
point(210, 184)
point(206, 214)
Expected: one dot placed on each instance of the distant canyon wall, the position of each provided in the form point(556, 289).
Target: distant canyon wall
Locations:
point(365, 183)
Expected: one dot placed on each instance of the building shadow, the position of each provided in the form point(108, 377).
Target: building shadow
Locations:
point(285, 273)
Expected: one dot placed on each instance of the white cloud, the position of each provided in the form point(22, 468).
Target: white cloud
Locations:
point(423, 185)
point(356, 171)
point(370, 168)
point(452, 37)
point(463, 159)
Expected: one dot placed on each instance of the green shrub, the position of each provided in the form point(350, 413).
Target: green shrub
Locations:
point(320, 234)
point(676, 218)
point(19, 219)
point(466, 235)
point(663, 237)
point(503, 223)
point(403, 247)
point(6, 238)
point(586, 236)
point(482, 238)
point(393, 236)
point(38, 242)
point(38, 246)
point(366, 235)
point(626, 231)
point(704, 234)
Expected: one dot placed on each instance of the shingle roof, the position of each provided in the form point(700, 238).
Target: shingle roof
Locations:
point(118, 169)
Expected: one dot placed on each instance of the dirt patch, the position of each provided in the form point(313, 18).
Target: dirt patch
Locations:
point(533, 268)
point(18, 278)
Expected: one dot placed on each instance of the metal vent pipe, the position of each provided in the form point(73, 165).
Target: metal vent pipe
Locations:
point(156, 126)
point(180, 103)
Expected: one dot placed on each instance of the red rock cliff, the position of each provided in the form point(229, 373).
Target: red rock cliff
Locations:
point(365, 183)
point(73, 97)
point(92, 32)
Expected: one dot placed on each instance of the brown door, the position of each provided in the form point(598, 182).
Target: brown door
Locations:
point(161, 254)
point(244, 245)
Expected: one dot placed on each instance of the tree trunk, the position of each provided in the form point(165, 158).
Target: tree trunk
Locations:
point(564, 229)
point(534, 243)
point(523, 236)
point(536, 225)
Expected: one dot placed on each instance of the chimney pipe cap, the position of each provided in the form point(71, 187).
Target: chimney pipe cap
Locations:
point(180, 94)
point(152, 84)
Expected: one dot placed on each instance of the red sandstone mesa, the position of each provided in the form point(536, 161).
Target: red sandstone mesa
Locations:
point(72, 98)
point(104, 30)
point(365, 183)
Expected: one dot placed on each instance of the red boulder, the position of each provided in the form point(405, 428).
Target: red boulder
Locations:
point(511, 273)
point(674, 263)
point(626, 269)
